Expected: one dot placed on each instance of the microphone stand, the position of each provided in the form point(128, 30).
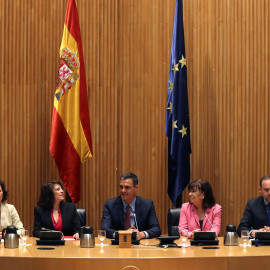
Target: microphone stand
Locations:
point(211, 225)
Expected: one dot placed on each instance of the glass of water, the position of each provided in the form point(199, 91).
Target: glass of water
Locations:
point(25, 236)
point(101, 236)
point(245, 237)
point(184, 238)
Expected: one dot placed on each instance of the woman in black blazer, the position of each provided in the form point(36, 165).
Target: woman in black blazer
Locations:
point(54, 214)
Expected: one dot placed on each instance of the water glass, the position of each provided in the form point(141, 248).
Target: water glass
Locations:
point(245, 237)
point(184, 238)
point(101, 236)
point(25, 235)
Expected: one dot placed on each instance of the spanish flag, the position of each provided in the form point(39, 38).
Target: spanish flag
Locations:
point(71, 142)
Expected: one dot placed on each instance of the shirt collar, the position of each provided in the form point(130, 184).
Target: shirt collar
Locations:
point(265, 202)
point(132, 204)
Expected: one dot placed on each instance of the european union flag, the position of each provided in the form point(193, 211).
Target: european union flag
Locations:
point(177, 114)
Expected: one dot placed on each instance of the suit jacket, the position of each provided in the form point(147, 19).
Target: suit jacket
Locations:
point(9, 216)
point(70, 219)
point(255, 216)
point(113, 218)
point(189, 219)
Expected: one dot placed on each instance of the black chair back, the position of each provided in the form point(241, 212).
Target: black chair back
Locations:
point(82, 216)
point(173, 221)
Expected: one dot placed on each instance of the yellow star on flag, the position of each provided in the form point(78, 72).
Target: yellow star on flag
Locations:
point(183, 61)
point(183, 131)
point(175, 68)
point(171, 87)
point(174, 124)
point(170, 107)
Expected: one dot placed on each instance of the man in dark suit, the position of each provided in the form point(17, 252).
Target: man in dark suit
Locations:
point(130, 212)
point(256, 216)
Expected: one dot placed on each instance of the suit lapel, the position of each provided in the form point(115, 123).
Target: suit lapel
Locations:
point(205, 220)
point(48, 217)
point(63, 213)
point(137, 212)
point(264, 210)
point(195, 215)
point(119, 208)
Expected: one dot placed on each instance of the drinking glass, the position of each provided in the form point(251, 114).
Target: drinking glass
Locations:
point(25, 235)
point(101, 236)
point(184, 238)
point(245, 237)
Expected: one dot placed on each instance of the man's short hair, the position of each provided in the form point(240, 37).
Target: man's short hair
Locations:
point(132, 176)
point(266, 177)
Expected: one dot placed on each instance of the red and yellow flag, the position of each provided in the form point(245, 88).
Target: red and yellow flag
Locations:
point(71, 142)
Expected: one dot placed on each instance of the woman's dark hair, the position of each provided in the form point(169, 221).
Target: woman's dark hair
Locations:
point(204, 186)
point(5, 191)
point(46, 197)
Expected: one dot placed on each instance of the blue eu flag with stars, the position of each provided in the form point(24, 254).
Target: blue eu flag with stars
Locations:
point(177, 126)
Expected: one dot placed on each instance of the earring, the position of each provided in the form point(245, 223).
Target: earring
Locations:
point(202, 197)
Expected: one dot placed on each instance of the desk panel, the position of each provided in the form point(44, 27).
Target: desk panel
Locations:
point(146, 256)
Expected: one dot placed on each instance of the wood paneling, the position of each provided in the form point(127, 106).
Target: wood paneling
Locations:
point(228, 48)
point(127, 48)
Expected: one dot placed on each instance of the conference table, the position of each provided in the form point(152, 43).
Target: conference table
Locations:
point(147, 255)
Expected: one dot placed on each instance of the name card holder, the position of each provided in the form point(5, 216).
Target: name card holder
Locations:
point(125, 239)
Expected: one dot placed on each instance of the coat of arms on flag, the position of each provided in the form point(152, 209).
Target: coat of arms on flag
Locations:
point(69, 65)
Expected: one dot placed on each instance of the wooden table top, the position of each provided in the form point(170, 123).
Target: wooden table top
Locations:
point(147, 249)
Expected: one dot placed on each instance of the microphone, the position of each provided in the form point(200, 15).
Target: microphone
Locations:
point(137, 236)
point(136, 221)
point(211, 225)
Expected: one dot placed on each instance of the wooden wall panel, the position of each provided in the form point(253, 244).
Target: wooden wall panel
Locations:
point(99, 177)
point(126, 49)
point(145, 40)
point(229, 98)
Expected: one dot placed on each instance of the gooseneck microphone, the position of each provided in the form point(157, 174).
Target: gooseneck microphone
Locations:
point(137, 236)
point(136, 221)
point(211, 225)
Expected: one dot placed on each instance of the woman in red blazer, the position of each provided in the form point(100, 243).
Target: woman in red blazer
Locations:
point(201, 213)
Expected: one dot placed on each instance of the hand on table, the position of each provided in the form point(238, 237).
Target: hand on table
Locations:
point(141, 234)
point(76, 236)
point(192, 235)
point(265, 229)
